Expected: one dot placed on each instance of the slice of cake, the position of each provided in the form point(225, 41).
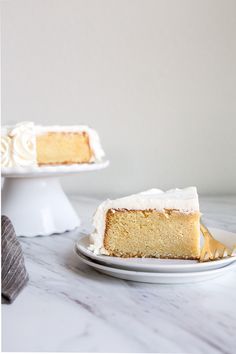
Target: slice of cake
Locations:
point(149, 224)
point(27, 144)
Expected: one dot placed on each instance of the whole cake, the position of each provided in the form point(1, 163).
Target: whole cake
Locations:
point(27, 144)
point(149, 224)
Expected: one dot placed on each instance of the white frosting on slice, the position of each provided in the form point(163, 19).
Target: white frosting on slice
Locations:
point(94, 140)
point(184, 200)
point(18, 143)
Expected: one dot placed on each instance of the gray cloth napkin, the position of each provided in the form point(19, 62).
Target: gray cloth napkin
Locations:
point(14, 274)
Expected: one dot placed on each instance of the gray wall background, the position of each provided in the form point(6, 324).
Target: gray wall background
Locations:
point(156, 78)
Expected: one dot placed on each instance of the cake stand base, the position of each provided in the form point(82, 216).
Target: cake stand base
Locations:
point(37, 206)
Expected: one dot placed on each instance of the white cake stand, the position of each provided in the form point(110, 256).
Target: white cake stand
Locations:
point(32, 197)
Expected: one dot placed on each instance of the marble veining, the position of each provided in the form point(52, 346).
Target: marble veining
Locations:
point(69, 307)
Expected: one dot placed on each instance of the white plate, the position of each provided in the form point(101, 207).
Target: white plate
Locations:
point(152, 277)
point(57, 170)
point(161, 265)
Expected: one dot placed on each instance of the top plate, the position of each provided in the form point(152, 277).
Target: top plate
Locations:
point(58, 170)
point(162, 265)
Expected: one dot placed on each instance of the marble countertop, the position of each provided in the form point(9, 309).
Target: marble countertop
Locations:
point(69, 307)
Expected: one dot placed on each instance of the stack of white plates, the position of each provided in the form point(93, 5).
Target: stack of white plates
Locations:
point(162, 271)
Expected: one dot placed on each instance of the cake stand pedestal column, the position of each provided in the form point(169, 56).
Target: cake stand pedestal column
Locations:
point(32, 197)
point(37, 206)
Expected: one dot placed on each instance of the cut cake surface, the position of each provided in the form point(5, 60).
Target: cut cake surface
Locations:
point(63, 148)
point(150, 233)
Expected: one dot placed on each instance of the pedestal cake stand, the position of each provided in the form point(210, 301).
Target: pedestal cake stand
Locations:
point(33, 198)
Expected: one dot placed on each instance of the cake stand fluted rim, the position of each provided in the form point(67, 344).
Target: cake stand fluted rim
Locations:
point(58, 170)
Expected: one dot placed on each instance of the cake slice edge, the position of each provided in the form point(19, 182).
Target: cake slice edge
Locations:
point(177, 201)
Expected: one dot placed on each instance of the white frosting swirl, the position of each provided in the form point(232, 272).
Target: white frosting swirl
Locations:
point(19, 146)
point(6, 160)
